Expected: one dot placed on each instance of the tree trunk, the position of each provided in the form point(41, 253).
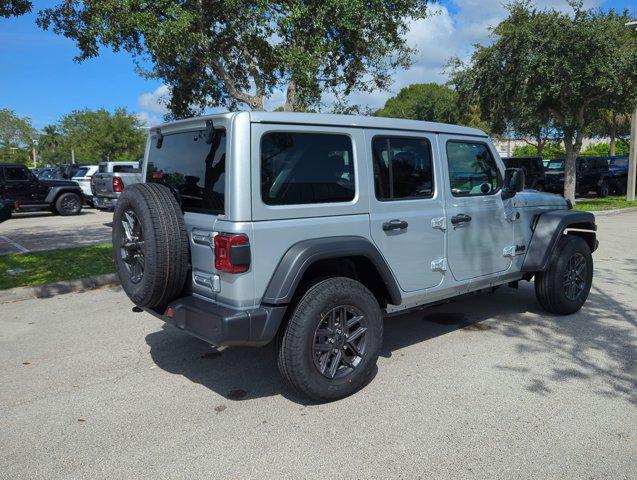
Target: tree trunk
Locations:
point(573, 147)
point(290, 98)
point(540, 148)
point(613, 139)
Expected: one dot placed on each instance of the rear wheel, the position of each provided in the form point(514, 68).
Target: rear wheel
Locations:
point(68, 204)
point(150, 245)
point(564, 287)
point(330, 345)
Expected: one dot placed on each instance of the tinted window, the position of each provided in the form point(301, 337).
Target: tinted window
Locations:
point(16, 174)
point(301, 168)
point(402, 168)
point(126, 169)
point(555, 165)
point(472, 169)
point(81, 172)
point(193, 169)
point(103, 168)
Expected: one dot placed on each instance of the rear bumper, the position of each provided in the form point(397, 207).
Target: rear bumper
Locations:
point(104, 202)
point(222, 326)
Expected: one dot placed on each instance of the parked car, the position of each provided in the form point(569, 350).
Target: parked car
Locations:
point(6, 207)
point(618, 166)
point(32, 193)
point(310, 228)
point(110, 180)
point(592, 174)
point(83, 178)
point(533, 170)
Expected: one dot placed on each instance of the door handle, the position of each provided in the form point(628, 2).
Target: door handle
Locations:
point(395, 225)
point(460, 219)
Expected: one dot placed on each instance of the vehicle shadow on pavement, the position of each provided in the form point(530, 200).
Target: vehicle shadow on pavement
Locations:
point(594, 345)
point(247, 373)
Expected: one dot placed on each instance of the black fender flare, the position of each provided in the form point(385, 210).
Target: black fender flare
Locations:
point(55, 192)
point(548, 228)
point(301, 255)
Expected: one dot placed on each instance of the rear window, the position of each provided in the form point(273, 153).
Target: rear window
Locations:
point(301, 168)
point(16, 174)
point(126, 169)
point(193, 169)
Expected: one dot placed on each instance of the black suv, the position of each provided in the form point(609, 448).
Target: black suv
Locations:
point(593, 174)
point(534, 176)
point(31, 193)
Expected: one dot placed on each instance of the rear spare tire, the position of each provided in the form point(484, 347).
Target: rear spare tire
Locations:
point(150, 245)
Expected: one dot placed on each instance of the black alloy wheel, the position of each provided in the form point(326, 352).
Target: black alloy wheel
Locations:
point(575, 277)
point(132, 246)
point(339, 341)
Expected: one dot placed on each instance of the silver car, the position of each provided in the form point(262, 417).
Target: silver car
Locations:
point(308, 229)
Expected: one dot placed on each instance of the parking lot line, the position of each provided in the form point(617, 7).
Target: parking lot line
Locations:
point(14, 244)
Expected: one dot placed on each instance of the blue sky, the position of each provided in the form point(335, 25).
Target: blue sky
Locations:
point(39, 79)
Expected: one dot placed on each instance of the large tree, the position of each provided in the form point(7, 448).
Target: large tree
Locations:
point(565, 65)
point(423, 101)
point(17, 137)
point(238, 52)
point(99, 135)
point(613, 124)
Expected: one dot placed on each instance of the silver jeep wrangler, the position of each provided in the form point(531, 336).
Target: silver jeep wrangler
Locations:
point(308, 229)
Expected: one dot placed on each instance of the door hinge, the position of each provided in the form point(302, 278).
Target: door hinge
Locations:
point(439, 265)
point(509, 251)
point(440, 223)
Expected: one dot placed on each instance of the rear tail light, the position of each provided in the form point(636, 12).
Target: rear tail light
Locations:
point(232, 253)
point(118, 185)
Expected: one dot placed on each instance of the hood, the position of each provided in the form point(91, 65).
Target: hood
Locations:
point(533, 198)
point(51, 182)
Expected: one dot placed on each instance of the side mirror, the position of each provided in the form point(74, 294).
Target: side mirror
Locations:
point(513, 182)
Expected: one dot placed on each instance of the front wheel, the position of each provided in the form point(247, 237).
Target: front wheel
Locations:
point(330, 345)
point(564, 287)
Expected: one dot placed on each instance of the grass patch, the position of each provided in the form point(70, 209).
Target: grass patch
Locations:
point(55, 265)
point(608, 203)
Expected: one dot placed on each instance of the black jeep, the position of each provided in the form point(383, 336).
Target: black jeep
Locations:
point(593, 174)
point(534, 176)
point(31, 193)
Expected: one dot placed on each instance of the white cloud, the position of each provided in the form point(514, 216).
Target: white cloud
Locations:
point(155, 102)
point(444, 35)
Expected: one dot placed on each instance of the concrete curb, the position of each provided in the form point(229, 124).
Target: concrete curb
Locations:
point(58, 288)
point(603, 213)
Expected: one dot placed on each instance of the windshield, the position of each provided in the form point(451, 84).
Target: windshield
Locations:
point(556, 165)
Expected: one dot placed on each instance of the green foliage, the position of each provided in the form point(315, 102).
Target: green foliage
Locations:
point(94, 136)
point(564, 66)
point(10, 8)
point(603, 148)
point(429, 101)
point(228, 52)
point(551, 150)
point(55, 265)
point(17, 136)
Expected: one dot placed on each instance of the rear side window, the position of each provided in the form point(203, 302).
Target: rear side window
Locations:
point(81, 172)
point(103, 168)
point(472, 169)
point(192, 168)
point(16, 174)
point(301, 168)
point(402, 168)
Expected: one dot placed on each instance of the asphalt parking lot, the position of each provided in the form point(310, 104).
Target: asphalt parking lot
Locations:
point(486, 387)
point(44, 231)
